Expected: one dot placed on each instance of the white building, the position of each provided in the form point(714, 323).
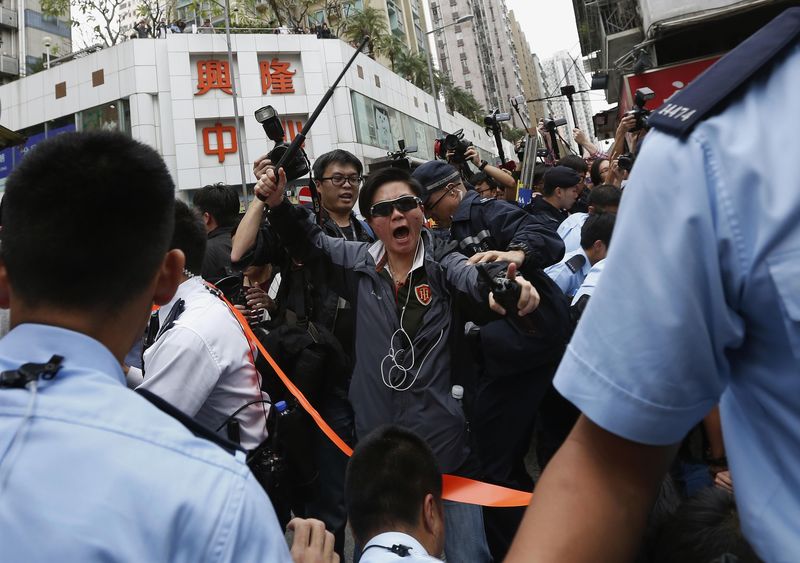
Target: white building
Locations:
point(166, 93)
point(562, 70)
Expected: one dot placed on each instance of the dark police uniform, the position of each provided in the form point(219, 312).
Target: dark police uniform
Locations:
point(546, 213)
point(517, 368)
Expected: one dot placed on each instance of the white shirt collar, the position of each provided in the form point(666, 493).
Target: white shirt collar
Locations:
point(378, 252)
point(388, 539)
point(185, 289)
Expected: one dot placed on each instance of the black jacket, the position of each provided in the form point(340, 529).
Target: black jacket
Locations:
point(217, 259)
point(545, 213)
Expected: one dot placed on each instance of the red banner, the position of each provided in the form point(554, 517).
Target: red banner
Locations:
point(664, 81)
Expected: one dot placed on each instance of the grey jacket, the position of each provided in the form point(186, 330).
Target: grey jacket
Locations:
point(427, 407)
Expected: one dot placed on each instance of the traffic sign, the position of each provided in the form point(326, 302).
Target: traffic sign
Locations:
point(304, 195)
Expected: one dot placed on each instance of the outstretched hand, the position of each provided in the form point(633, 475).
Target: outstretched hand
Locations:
point(528, 296)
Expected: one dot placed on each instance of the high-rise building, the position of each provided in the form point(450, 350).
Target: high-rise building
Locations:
point(530, 70)
point(563, 70)
point(26, 36)
point(479, 55)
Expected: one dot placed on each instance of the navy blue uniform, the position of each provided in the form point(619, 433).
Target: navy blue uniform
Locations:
point(516, 369)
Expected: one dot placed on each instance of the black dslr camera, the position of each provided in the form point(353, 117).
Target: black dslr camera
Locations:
point(626, 161)
point(639, 100)
point(453, 142)
point(295, 168)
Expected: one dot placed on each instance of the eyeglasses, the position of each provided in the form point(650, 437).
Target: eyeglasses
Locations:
point(403, 204)
point(339, 180)
point(447, 189)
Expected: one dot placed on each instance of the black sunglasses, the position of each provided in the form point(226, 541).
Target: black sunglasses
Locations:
point(402, 204)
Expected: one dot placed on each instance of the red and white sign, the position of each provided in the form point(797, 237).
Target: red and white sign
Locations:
point(663, 81)
point(304, 195)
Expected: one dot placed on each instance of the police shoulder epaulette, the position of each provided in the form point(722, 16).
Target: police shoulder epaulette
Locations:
point(576, 263)
point(687, 107)
point(486, 199)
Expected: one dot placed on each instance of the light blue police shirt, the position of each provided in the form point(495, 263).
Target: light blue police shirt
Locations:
point(590, 283)
point(570, 231)
point(103, 475)
point(565, 278)
point(700, 302)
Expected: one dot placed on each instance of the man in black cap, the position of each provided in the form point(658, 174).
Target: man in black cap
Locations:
point(558, 195)
point(516, 368)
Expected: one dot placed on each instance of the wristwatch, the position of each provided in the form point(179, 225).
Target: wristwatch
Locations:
point(482, 165)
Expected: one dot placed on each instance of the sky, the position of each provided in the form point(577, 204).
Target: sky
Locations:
point(549, 26)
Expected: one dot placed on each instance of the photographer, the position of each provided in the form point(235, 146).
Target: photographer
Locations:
point(306, 298)
point(503, 179)
point(406, 288)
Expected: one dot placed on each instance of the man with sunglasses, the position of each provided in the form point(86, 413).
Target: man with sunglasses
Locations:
point(406, 292)
point(304, 294)
point(516, 369)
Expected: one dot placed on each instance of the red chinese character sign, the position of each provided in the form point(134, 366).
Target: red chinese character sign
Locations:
point(213, 74)
point(276, 78)
point(291, 127)
point(219, 134)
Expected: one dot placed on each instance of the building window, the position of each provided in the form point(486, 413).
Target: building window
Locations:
point(460, 42)
point(377, 81)
point(468, 85)
point(455, 16)
point(457, 28)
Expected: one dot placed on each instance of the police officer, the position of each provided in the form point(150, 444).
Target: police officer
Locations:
point(570, 272)
point(559, 193)
point(89, 469)
point(517, 368)
point(712, 314)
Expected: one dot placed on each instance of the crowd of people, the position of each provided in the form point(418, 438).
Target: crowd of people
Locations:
point(143, 30)
point(184, 383)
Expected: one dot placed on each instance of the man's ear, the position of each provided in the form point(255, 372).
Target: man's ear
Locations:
point(168, 276)
point(431, 515)
point(5, 287)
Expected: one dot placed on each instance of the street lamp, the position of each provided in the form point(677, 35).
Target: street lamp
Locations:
point(47, 41)
point(462, 19)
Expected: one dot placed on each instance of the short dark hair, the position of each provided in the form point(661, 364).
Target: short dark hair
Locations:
point(94, 212)
point(597, 227)
point(189, 236)
point(604, 196)
point(381, 177)
point(704, 528)
point(594, 171)
point(220, 201)
point(339, 156)
point(482, 178)
point(388, 476)
point(539, 170)
point(575, 162)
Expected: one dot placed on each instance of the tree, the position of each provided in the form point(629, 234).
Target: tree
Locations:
point(369, 21)
point(458, 99)
point(414, 68)
point(393, 48)
point(512, 134)
point(102, 15)
point(154, 11)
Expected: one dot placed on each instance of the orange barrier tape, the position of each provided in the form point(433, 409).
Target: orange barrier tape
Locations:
point(455, 488)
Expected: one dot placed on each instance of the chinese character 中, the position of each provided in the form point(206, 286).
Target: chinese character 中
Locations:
point(213, 74)
point(276, 75)
point(219, 131)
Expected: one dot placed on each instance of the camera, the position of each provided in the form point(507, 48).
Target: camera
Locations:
point(551, 124)
point(396, 159)
point(626, 161)
point(493, 119)
point(639, 112)
point(297, 167)
point(453, 142)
